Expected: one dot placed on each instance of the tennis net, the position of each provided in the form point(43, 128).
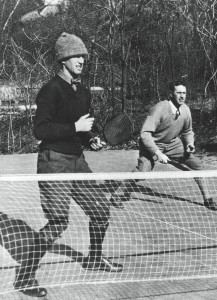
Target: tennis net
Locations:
point(163, 232)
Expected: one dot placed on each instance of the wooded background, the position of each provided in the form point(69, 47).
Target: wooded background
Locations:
point(136, 47)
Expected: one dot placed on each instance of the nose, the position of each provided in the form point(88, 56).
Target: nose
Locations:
point(81, 59)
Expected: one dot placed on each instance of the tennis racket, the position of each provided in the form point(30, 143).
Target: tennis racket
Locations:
point(118, 129)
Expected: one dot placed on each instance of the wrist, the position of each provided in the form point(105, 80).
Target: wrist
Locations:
point(76, 127)
point(190, 147)
point(157, 153)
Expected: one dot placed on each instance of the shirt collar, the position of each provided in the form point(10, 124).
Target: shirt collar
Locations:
point(174, 108)
point(68, 78)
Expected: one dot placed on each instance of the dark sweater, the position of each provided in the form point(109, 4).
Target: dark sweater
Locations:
point(58, 108)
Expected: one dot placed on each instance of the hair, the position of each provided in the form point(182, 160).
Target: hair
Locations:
point(173, 84)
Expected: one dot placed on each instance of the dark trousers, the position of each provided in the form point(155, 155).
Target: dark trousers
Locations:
point(56, 197)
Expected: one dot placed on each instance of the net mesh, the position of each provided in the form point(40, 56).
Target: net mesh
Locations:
point(163, 233)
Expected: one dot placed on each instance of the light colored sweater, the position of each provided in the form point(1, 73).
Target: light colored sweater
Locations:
point(160, 126)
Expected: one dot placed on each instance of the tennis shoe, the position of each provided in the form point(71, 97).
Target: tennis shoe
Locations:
point(210, 204)
point(31, 288)
point(34, 292)
point(102, 263)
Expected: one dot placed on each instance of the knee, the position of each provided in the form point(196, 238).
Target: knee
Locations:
point(54, 228)
point(144, 165)
point(100, 223)
point(194, 163)
point(101, 218)
point(63, 222)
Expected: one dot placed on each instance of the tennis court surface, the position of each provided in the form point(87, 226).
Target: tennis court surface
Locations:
point(164, 237)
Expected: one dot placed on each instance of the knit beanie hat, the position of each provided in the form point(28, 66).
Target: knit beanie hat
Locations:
point(69, 45)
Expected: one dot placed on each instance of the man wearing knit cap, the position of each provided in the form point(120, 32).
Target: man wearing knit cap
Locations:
point(63, 125)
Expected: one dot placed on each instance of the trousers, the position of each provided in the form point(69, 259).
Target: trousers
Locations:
point(175, 151)
point(56, 196)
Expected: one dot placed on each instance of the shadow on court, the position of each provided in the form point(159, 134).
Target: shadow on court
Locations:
point(150, 192)
point(136, 188)
point(169, 251)
point(76, 256)
point(65, 250)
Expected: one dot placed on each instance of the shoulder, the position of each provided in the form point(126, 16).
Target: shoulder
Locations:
point(50, 91)
point(163, 104)
point(160, 107)
point(185, 108)
point(51, 85)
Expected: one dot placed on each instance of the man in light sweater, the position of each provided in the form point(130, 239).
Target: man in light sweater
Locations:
point(167, 136)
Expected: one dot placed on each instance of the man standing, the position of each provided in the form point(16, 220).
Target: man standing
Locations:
point(167, 136)
point(63, 125)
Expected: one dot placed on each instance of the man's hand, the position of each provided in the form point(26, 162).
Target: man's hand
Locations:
point(162, 158)
point(190, 148)
point(84, 123)
point(96, 143)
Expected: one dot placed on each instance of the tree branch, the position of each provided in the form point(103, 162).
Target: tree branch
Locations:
point(12, 12)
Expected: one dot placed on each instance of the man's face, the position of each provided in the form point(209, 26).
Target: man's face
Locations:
point(179, 95)
point(75, 64)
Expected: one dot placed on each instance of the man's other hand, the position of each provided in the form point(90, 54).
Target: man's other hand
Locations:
point(96, 143)
point(162, 158)
point(190, 148)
